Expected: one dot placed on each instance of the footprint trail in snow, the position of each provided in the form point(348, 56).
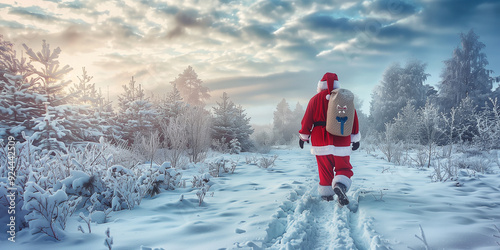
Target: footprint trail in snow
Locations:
point(305, 221)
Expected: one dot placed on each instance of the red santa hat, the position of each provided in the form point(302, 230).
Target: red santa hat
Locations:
point(329, 81)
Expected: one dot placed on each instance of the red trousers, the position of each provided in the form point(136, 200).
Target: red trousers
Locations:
point(331, 165)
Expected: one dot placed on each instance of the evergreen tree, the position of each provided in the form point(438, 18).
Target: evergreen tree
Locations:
point(51, 84)
point(87, 101)
point(107, 118)
point(170, 107)
point(136, 113)
point(190, 87)
point(51, 76)
point(244, 130)
point(465, 119)
point(284, 127)
point(6, 53)
point(297, 114)
point(223, 125)
point(49, 132)
point(465, 74)
point(19, 102)
point(398, 87)
point(230, 122)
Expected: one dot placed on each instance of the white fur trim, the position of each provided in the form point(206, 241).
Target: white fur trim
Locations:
point(304, 137)
point(342, 179)
point(328, 97)
point(325, 190)
point(336, 84)
point(331, 150)
point(322, 86)
point(356, 137)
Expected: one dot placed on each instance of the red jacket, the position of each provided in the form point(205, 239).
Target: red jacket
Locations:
point(324, 143)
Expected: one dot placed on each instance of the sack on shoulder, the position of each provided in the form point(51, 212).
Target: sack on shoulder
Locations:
point(340, 113)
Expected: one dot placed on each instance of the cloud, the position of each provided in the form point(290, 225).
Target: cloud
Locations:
point(393, 9)
point(33, 12)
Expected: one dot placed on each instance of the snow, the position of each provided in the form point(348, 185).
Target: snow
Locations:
point(278, 208)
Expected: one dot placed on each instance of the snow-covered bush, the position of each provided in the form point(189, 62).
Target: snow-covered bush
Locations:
point(233, 166)
point(388, 144)
point(120, 153)
point(251, 160)
point(262, 141)
point(214, 168)
point(158, 177)
point(200, 180)
point(48, 210)
point(480, 163)
point(267, 162)
point(82, 184)
point(146, 146)
point(444, 170)
point(203, 183)
point(123, 188)
point(202, 193)
point(420, 158)
point(488, 126)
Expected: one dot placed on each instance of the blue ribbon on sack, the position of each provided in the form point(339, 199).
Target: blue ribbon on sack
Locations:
point(342, 121)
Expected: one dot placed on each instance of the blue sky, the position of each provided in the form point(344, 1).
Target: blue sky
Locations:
point(257, 51)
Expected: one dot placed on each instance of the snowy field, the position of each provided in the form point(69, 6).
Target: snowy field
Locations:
point(277, 208)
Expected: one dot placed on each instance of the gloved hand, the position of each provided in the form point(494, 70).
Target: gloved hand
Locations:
point(355, 145)
point(301, 143)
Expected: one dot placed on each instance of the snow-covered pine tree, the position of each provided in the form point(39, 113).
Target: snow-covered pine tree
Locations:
point(6, 52)
point(398, 87)
point(230, 122)
point(88, 101)
point(136, 113)
point(283, 124)
point(224, 122)
point(169, 107)
point(51, 76)
point(18, 100)
point(465, 119)
point(405, 125)
point(49, 132)
point(191, 88)
point(107, 118)
point(52, 84)
point(465, 75)
point(244, 129)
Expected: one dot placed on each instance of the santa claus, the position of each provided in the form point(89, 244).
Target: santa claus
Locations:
point(332, 152)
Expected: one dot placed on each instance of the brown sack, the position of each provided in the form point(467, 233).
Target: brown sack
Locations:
point(340, 113)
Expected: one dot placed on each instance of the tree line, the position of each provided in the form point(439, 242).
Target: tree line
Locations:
point(463, 108)
point(37, 100)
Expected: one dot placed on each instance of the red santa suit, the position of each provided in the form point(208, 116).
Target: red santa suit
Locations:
point(332, 152)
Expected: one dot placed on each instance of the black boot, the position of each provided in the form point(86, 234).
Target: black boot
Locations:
point(327, 197)
point(341, 190)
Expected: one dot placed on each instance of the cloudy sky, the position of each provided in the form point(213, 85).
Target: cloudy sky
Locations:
point(257, 51)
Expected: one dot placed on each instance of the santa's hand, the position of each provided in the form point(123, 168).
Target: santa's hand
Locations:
point(355, 145)
point(301, 143)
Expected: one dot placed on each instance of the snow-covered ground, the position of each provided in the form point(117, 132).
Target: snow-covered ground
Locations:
point(278, 208)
